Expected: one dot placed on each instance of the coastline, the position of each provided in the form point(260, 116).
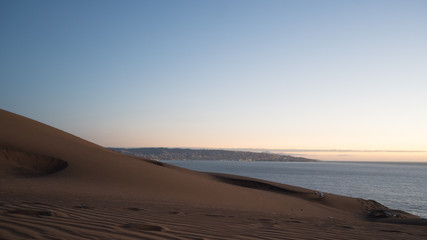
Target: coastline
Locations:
point(355, 179)
point(104, 194)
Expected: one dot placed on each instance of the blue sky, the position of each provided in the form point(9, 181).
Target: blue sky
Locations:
point(220, 74)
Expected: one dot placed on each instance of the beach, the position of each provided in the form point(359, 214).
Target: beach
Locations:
point(54, 185)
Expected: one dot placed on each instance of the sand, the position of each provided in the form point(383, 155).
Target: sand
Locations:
point(54, 185)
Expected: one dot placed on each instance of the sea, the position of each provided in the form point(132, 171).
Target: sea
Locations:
point(400, 186)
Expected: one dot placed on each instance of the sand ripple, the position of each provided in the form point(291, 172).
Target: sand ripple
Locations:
point(45, 221)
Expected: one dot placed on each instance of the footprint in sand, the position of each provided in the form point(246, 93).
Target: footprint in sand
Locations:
point(29, 212)
point(144, 227)
point(134, 209)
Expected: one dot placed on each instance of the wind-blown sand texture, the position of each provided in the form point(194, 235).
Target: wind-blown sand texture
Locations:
point(57, 186)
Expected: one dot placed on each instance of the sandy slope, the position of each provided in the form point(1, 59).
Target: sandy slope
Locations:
point(55, 185)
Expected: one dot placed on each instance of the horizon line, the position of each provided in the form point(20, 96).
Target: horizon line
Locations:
point(292, 149)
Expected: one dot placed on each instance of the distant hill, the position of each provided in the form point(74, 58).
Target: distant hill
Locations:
point(205, 154)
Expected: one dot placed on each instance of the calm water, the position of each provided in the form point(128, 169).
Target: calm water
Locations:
point(397, 185)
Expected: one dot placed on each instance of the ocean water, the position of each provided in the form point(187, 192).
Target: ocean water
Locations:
point(400, 186)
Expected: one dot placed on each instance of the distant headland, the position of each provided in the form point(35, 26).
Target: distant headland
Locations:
point(207, 154)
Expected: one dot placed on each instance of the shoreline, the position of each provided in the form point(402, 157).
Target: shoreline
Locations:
point(321, 176)
point(104, 194)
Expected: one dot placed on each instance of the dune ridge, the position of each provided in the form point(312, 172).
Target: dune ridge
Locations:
point(56, 185)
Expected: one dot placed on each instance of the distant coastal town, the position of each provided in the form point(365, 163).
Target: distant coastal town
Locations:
point(207, 154)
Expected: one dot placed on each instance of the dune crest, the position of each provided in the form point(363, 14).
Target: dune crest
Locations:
point(81, 184)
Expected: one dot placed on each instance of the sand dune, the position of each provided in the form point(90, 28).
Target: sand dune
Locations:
point(18, 163)
point(56, 185)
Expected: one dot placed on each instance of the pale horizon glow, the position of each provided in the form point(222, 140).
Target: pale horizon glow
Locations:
point(270, 74)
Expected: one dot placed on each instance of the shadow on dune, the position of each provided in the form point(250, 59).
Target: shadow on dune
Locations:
point(15, 163)
point(252, 183)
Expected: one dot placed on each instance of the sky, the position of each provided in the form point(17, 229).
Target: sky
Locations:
point(221, 74)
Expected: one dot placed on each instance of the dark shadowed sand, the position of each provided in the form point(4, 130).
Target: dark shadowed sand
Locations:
point(57, 186)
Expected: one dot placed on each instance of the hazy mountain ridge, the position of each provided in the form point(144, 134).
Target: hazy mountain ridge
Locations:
point(207, 154)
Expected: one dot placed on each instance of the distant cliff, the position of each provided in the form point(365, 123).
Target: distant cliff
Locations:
point(203, 154)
